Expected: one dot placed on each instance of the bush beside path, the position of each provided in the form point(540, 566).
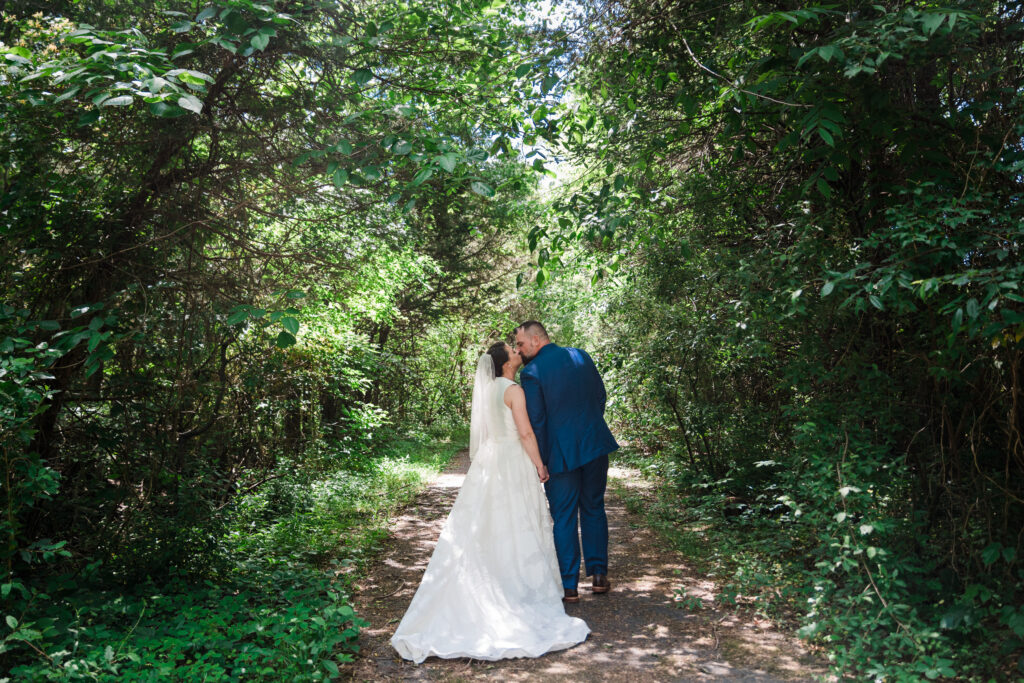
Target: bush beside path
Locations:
point(640, 631)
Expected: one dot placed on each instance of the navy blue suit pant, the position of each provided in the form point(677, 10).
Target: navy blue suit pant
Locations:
point(579, 494)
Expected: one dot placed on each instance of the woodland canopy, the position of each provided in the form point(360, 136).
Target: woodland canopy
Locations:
point(250, 250)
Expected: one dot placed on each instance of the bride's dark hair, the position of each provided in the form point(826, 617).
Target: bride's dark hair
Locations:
point(499, 355)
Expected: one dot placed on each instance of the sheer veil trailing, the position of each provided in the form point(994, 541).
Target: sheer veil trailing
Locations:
point(477, 417)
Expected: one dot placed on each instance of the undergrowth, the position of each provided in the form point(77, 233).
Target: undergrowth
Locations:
point(766, 560)
point(275, 607)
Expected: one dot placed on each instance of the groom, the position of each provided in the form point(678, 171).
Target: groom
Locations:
point(565, 400)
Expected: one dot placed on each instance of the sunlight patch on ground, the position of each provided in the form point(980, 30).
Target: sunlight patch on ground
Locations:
point(629, 477)
point(448, 481)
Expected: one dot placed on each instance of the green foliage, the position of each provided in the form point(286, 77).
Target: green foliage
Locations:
point(803, 225)
point(238, 630)
point(227, 230)
point(229, 225)
point(306, 534)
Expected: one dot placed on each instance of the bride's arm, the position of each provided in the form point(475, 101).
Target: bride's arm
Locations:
point(515, 399)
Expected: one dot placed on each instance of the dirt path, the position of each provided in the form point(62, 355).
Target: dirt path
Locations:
point(637, 632)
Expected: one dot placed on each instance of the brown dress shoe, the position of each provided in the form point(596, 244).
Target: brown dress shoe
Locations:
point(571, 596)
point(601, 584)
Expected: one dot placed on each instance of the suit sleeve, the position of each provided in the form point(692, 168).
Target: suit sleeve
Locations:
point(536, 411)
point(602, 395)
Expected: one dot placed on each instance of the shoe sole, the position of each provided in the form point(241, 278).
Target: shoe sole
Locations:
point(601, 589)
point(572, 600)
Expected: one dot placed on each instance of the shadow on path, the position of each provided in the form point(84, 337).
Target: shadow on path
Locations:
point(637, 631)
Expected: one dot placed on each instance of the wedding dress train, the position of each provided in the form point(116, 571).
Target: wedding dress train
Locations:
point(492, 588)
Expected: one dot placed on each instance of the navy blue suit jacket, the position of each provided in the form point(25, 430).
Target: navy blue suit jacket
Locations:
point(565, 400)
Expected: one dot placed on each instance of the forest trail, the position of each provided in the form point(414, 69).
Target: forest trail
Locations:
point(637, 631)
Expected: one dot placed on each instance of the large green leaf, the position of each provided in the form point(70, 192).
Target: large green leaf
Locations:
point(447, 161)
point(423, 176)
point(191, 103)
point(362, 76)
point(482, 188)
point(284, 340)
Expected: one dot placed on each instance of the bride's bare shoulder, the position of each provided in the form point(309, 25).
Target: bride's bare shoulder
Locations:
point(512, 391)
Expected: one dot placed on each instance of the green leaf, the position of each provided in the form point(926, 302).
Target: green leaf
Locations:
point(290, 324)
point(88, 118)
point(402, 147)
point(164, 110)
point(331, 667)
point(190, 102)
point(827, 288)
point(482, 188)
point(120, 101)
point(823, 188)
point(972, 308)
point(423, 176)
point(932, 21)
point(477, 155)
point(284, 340)
point(523, 69)
point(807, 55)
point(362, 76)
point(67, 94)
point(340, 177)
point(11, 621)
point(991, 553)
point(447, 161)
point(237, 317)
point(190, 76)
point(20, 51)
point(876, 302)
point(260, 41)
point(236, 23)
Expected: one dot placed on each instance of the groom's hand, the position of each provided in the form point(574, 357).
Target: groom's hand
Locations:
point(542, 472)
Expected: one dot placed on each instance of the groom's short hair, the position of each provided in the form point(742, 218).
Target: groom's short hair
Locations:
point(533, 327)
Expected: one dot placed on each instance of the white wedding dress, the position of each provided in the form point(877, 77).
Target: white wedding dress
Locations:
point(492, 589)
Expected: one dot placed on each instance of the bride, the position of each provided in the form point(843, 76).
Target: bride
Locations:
point(492, 589)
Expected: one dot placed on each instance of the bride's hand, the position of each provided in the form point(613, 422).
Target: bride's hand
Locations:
point(542, 472)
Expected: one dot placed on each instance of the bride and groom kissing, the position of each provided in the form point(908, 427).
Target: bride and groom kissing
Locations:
point(508, 557)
